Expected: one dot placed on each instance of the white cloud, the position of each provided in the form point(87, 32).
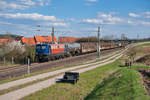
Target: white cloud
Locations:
point(104, 18)
point(41, 3)
point(133, 15)
point(138, 22)
point(92, 0)
point(58, 24)
point(147, 13)
point(130, 22)
point(2, 22)
point(109, 17)
point(11, 6)
point(33, 16)
point(95, 21)
point(147, 17)
point(88, 4)
point(145, 23)
point(28, 2)
point(44, 2)
point(71, 19)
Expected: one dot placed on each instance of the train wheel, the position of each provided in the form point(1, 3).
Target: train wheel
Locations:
point(52, 58)
point(62, 57)
point(39, 60)
point(47, 59)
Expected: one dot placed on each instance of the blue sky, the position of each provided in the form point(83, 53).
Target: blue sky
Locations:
point(79, 18)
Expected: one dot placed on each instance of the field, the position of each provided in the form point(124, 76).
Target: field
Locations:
point(109, 82)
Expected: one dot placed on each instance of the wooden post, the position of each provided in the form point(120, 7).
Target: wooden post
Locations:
point(4, 60)
point(12, 60)
point(28, 66)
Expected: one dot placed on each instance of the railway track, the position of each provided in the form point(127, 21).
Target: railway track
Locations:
point(37, 67)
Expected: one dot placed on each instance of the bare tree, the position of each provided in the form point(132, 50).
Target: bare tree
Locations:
point(13, 50)
point(13, 47)
point(131, 54)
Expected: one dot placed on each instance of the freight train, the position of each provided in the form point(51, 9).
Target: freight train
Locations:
point(46, 51)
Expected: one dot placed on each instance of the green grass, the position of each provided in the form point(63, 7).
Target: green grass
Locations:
point(140, 66)
point(145, 44)
point(65, 91)
point(125, 84)
point(8, 64)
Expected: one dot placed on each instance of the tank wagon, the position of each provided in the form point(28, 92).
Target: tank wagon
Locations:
point(55, 51)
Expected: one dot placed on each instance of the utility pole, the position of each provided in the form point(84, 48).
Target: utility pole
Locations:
point(137, 36)
point(98, 46)
point(52, 35)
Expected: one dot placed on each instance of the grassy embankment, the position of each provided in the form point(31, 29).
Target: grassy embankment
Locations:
point(98, 84)
point(125, 84)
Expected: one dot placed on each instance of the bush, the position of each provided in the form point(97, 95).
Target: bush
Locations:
point(30, 51)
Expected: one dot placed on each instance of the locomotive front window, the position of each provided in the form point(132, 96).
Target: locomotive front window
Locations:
point(43, 47)
point(37, 47)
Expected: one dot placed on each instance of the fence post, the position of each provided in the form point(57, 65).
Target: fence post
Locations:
point(28, 66)
point(4, 60)
point(12, 60)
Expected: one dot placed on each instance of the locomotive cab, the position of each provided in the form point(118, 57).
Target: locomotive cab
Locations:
point(42, 51)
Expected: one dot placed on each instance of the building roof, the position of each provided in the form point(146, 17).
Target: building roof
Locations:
point(6, 40)
point(68, 39)
point(28, 41)
point(3, 41)
point(44, 39)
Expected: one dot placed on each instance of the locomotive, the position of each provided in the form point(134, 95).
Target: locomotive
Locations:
point(46, 51)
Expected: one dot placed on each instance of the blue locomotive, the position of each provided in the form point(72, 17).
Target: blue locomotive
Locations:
point(48, 51)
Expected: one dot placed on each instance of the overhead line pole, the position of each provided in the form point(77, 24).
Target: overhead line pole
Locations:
point(98, 46)
point(53, 35)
